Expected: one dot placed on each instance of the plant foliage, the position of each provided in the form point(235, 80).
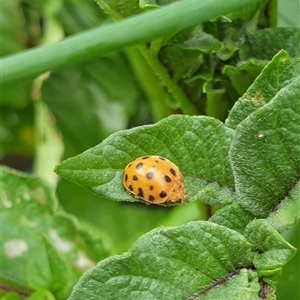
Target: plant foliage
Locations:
point(216, 85)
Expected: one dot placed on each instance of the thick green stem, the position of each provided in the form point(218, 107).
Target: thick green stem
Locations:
point(113, 37)
point(155, 92)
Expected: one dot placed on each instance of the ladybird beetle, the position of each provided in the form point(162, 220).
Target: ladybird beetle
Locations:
point(154, 179)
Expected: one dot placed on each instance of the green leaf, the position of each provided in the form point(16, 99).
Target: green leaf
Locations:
point(12, 41)
point(287, 212)
point(198, 260)
point(41, 294)
point(77, 16)
point(25, 246)
point(180, 60)
point(88, 93)
point(273, 251)
point(235, 75)
point(263, 44)
point(232, 216)
point(124, 8)
point(203, 42)
point(178, 138)
point(275, 76)
point(50, 245)
point(252, 66)
point(11, 25)
point(265, 154)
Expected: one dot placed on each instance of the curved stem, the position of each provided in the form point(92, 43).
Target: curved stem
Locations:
point(177, 94)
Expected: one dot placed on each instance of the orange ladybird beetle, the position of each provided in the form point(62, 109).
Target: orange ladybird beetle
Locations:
point(155, 180)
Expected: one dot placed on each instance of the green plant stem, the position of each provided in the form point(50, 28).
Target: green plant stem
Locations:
point(149, 71)
point(113, 37)
point(155, 92)
point(176, 92)
point(108, 10)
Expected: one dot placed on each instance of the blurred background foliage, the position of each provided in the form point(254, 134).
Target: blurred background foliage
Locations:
point(66, 112)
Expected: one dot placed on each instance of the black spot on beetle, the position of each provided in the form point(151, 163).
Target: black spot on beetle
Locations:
point(173, 172)
point(145, 157)
point(131, 188)
point(126, 177)
point(167, 178)
point(161, 158)
point(140, 193)
point(135, 178)
point(149, 175)
point(151, 198)
point(139, 166)
point(151, 187)
point(162, 194)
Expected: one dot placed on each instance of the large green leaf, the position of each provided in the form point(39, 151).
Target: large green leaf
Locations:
point(199, 260)
point(50, 245)
point(275, 76)
point(265, 155)
point(86, 103)
point(263, 44)
point(197, 145)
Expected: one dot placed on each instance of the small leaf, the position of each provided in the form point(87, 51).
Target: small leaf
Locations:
point(276, 75)
point(265, 154)
point(196, 259)
point(197, 145)
point(203, 42)
point(273, 251)
point(232, 216)
point(124, 8)
point(235, 75)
